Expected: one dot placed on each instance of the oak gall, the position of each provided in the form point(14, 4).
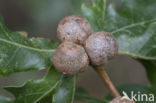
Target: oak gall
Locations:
point(70, 58)
point(74, 28)
point(101, 47)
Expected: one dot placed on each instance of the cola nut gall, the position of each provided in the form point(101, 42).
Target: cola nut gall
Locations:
point(74, 28)
point(70, 58)
point(101, 47)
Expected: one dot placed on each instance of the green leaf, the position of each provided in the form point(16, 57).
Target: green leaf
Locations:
point(34, 90)
point(18, 54)
point(95, 13)
point(4, 99)
point(76, 5)
point(45, 44)
point(47, 99)
point(136, 89)
point(66, 92)
point(82, 95)
point(150, 70)
point(133, 25)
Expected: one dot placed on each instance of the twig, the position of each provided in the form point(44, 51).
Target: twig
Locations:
point(104, 76)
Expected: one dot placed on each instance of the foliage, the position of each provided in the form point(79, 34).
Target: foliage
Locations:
point(132, 23)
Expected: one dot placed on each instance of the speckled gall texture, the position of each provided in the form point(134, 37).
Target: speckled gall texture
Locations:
point(74, 28)
point(70, 58)
point(121, 100)
point(101, 47)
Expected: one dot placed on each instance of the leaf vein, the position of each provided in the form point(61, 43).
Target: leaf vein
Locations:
point(5, 31)
point(26, 47)
point(133, 25)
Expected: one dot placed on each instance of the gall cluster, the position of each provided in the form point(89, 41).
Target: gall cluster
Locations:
point(81, 46)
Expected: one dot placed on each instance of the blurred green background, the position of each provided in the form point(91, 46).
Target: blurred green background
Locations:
point(39, 18)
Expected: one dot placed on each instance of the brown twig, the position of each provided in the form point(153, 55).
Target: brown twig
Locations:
point(104, 76)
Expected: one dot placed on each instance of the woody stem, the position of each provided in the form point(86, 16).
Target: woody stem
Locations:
point(104, 76)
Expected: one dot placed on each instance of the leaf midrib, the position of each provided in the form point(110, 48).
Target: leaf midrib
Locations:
point(26, 47)
point(133, 25)
point(74, 84)
point(130, 26)
point(137, 56)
